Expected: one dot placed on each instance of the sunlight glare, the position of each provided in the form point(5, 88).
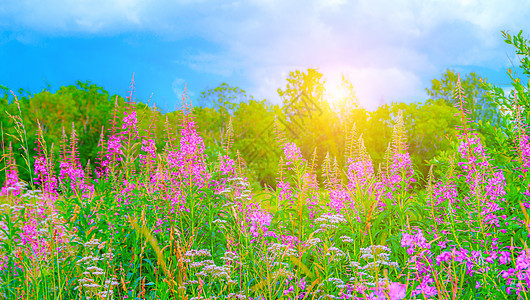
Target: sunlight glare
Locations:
point(335, 92)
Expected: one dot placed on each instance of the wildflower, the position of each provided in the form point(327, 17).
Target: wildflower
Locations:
point(504, 257)
point(346, 239)
point(312, 242)
point(397, 291)
point(445, 256)
point(331, 219)
point(285, 192)
point(292, 153)
point(335, 281)
point(359, 171)
point(336, 253)
point(338, 197)
point(523, 261)
point(197, 253)
point(260, 220)
point(414, 241)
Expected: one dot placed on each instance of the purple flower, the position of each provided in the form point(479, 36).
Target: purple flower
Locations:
point(397, 291)
point(505, 258)
point(292, 153)
point(359, 172)
point(260, 220)
point(413, 241)
point(11, 184)
point(523, 261)
point(445, 256)
point(227, 166)
point(285, 192)
point(129, 121)
point(338, 197)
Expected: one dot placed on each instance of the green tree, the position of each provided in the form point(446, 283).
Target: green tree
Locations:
point(302, 98)
point(444, 88)
point(86, 106)
point(252, 125)
point(481, 109)
point(223, 98)
point(310, 121)
point(255, 139)
point(427, 136)
point(504, 136)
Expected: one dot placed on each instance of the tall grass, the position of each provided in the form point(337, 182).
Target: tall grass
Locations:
point(178, 224)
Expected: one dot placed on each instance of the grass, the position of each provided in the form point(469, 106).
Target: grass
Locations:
point(177, 224)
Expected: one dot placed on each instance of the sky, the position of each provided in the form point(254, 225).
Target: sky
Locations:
point(389, 50)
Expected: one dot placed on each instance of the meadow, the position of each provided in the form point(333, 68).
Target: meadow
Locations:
point(184, 222)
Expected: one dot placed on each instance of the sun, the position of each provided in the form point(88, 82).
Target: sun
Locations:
point(335, 92)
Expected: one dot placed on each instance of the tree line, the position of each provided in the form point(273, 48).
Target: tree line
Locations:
point(305, 117)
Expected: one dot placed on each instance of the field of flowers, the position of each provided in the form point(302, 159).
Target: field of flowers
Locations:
point(176, 223)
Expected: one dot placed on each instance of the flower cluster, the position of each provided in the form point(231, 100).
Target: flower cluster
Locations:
point(414, 241)
point(260, 220)
point(292, 153)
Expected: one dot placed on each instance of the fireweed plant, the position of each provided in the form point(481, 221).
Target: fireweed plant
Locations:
point(181, 223)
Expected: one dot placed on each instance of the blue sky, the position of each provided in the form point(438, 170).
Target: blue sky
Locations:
point(390, 50)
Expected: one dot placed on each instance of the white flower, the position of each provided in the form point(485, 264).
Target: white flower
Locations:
point(346, 239)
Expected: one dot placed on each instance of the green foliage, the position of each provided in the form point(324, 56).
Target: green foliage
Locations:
point(508, 103)
point(85, 108)
point(309, 118)
point(254, 138)
point(308, 83)
point(497, 130)
point(474, 93)
point(156, 234)
point(481, 107)
point(224, 98)
point(252, 124)
point(427, 136)
point(306, 116)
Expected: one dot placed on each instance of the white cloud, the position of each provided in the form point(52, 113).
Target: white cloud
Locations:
point(373, 85)
point(408, 17)
point(178, 86)
point(76, 16)
point(210, 63)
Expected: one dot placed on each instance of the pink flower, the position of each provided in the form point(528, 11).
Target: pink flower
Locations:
point(285, 192)
point(445, 256)
point(259, 222)
point(504, 258)
point(359, 172)
point(397, 291)
point(129, 121)
point(523, 261)
point(292, 153)
point(338, 198)
point(413, 241)
point(149, 147)
point(227, 165)
point(11, 184)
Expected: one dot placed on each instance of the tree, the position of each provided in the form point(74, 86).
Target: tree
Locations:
point(302, 98)
point(427, 136)
point(85, 105)
point(480, 108)
point(504, 137)
point(310, 122)
point(252, 125)
point(223, 98)
point(255, 139)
